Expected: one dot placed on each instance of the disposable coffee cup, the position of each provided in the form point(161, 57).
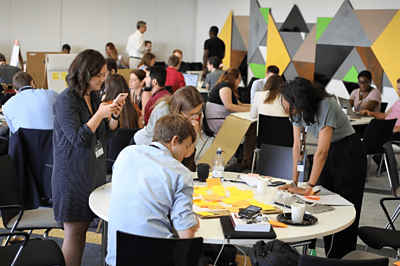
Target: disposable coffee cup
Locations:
point(297, 212)
point(344, 109)
point(202, 171)
point(119, 57)
point(262, 185)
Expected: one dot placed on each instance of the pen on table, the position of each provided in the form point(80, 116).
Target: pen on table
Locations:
point(316, 192)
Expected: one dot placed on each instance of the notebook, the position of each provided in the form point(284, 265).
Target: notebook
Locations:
point(191, 79)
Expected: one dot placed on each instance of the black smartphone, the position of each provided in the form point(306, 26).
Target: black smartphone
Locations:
point(277, 183)
point(249, 212)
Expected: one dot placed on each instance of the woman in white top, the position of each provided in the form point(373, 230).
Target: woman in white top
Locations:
point(268, 101)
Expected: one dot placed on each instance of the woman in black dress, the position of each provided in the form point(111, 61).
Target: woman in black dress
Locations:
point(81, 132)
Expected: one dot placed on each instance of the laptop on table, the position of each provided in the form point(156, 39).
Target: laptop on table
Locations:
point(191, 79)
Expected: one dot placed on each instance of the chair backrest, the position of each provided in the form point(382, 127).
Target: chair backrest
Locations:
point(195, 66)
point(141, 250)
point(118, 143)
point(277, 161)
point(252, 81)
point(206, 129)
point(383, 107)
point(274, 130)
point(391, 166)
point(10, 192)
point(378, 133)
point(306, 260)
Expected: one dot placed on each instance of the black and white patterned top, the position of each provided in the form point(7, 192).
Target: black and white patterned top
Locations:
point(77, 171)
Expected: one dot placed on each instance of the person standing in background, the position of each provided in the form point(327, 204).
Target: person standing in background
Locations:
point(212, 47)
point(135, 46)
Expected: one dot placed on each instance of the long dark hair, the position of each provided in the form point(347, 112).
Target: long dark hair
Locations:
point(304, 98)
point(230, 76)
point(273, 85)
point(86, 65)
point(116, 84)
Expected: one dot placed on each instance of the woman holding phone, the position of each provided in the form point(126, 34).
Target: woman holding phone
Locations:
point(340, 161)
point(81, 133)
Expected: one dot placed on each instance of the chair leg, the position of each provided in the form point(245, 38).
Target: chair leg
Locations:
point(368, 166)
point(380, 167)
point(394, 217)
point(99, 226)
point(255, 154)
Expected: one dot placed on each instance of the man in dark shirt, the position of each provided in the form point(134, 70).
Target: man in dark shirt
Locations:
point(6, 71)
point(212, 47)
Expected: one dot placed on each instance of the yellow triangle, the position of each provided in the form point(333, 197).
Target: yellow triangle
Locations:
point(276, 50)
point(386, 48)
point(226, 36)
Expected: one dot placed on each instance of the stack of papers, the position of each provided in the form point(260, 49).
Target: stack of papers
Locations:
point(242, 225)
point(251, 181)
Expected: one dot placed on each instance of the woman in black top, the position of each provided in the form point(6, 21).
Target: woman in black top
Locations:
point(81, 133)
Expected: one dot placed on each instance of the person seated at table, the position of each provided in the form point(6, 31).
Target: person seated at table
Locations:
point(268, 101)
point(149, 45)
point(340, 161)
point(183, 66)
point(175, 78)
point(215, 72)
point(137, 205)
point(136, 83)
point(366, 97)
point(112, 52)
point(258, 85)
point(148, 60)
point(131, 117)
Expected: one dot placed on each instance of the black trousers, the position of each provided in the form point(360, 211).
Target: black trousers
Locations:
point(344, 173)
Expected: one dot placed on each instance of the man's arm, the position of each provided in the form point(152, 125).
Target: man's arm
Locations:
point(189, 233)
point(205, 57)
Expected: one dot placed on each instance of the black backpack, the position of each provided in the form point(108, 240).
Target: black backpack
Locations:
point(274, 253)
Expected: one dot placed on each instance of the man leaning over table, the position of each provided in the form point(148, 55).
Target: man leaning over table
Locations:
point(152, 192)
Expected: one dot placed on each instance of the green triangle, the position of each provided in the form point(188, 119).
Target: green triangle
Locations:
point(322, 23)
point(265, 11)
point(258, 70)
point(352, 75)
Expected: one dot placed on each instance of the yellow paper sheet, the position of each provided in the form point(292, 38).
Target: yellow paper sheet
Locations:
point(213, 182)
point(233, 209)
point(205, 213)
point(219, 190)
point(261, 205)
point(211, 197)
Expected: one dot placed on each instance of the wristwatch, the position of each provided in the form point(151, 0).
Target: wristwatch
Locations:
point(115, 118)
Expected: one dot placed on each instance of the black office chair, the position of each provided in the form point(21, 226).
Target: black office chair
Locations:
point(277, 161)
point(141, 250)
point(161, 64)
point(117, 144)
point(383, 107)
point(377, 133)
point(12, 209)
point(196, 66)
point(30, 253)
point(273, 130)
point(306, 260)
point(251, 82)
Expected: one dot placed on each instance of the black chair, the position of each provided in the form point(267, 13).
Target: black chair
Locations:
point(141, 250)
point(12, 209)
point(277, 161)
point(30, 253)
point(251, 82)
point(117, 144)
point(306, 260)
point(383, 107)
point(377, 133)
point(196, 66)
point(273, 130)
point(161, 64)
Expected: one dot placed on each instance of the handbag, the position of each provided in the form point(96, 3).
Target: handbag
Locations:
point(274, 253)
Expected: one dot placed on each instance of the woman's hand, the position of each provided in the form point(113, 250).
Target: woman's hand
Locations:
point(366, 112)
point(285, 187)
point(195, 124)
point(119, 106)
point(299, 190)
point(105, 110)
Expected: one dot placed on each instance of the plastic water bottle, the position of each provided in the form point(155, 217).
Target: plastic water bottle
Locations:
point(218, 166)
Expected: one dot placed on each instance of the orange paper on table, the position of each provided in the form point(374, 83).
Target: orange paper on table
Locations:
point(205, 204)
point(241, 204)
point(261, 205)
point(397, 263)
point(233, 209)
point(313, 197)
point(216, 207)
point(233, 190)
point(211, 197)
point(277, 224)
point(229, 200)
point(213, 182)
point(196, 200)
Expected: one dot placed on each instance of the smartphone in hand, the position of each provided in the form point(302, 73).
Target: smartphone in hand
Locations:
point(121, 97)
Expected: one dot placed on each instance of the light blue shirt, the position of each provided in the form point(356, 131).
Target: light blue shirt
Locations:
point(258, 85)
point(148, 185)
point(30, 108)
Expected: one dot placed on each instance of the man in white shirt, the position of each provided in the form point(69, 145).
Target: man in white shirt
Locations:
point(258, 85)
point(135, 47)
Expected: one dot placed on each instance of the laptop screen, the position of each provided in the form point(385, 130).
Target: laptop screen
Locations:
point(191, 79)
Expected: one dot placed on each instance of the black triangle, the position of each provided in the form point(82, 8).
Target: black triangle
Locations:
point(294, 21)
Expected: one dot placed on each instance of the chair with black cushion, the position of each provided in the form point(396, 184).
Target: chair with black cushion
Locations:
point(251, 82)
point(377, 133)
point(277, 161)
point(117, 144)
point(196, 66)
point(306, 260)
point(161, 64)
point(141, 250)
point(13, 212)
point(383, 107)
point(273, 130)
point(30, 252)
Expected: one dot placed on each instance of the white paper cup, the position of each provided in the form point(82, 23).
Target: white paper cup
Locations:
point(297, 212)
point(262, 186)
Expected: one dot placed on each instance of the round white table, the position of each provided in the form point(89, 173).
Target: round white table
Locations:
point(211, 231)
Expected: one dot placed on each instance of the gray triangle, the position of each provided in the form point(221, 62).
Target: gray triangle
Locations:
point(257, 28)
point(263, 41)
point(290, 72)
point(295, 21)
point(386, 81)
point(292, 41)
point(353, 59)
point(278, 25)
point(310, 26)
point(345, 29)
point(257, 58)
point(237, 41)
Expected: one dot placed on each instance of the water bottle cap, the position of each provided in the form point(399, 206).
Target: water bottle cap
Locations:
point(219, 151)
